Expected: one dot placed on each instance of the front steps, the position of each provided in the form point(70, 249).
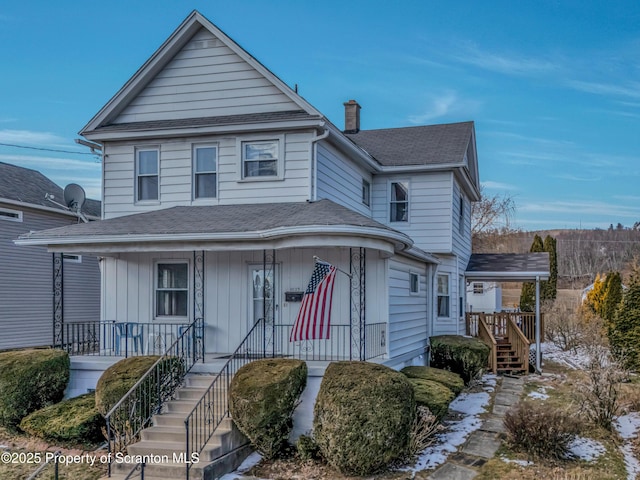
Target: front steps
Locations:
point(164, 442)
point(507, 360)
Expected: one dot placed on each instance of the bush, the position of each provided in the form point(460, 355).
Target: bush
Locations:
point(449, 379)
point(433, 395)
point(468, 357)
point(363, 416)
point(262, 398)
point(624, 330)
point(75, 421)
point(30, 380)
point(423, 432)
point(540, 431)
point(307, 448)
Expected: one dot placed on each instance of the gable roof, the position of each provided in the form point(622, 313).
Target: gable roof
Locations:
point(420, 145)
point(178, 39)
point(27, 186)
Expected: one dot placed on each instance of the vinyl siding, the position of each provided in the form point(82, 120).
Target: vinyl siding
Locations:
point(340, 180)
point(461, 237)
point(26, 288)
point(176, 181)
point(454, 324)
point(407, 312)
point(205, 79)
point(430, 220)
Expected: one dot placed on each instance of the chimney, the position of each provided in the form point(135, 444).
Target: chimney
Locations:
point(351, 117)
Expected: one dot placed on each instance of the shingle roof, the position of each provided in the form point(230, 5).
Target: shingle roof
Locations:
point(508, 265)
point(207, 121)
point(30, 186)
point(218, 219)
point(423, 145)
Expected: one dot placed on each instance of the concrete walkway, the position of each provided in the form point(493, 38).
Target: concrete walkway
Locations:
point(483, 443)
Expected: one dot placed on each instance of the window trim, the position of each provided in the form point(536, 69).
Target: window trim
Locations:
point(279, 140)
point(195, 173)
point(447, 295)
point(151, 148)
point(416, 276)
point(391, 202)
point(154, 297)
point(10, 215)
point(366, 192)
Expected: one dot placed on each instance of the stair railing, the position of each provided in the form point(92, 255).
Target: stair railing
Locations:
point(213, 407)
point(485, 334)
point(519, 342)
point(134, 410)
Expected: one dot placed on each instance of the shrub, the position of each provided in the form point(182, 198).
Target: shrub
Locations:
point(449, 379)
point(307, 448)
point(433, 395)
point(467, 357)
point(624, 331)
point(423, 431)
point(29, 380)
point(75, 421)
point(540, 431)
point(363, 416)
point(262, 398)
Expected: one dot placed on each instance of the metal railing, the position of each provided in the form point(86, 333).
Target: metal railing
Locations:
point(134, 410)
point(120, 339)
point(136, 472)
point(41, 468)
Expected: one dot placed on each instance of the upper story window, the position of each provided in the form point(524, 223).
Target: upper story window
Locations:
point(366, 193)
point(205, 166)
point(414, 282)
point(443, 296)
point(260, 159)
point(172, 289)
point(11, 215)
point(399, 204)
point(147, 174)
point(461, 215)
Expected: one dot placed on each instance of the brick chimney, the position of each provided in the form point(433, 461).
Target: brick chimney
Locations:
point(351, 117)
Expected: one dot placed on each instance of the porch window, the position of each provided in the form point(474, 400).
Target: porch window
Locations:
point(172, 289)
point(205, 162)
point(443, 295)
point(147, 174)
point(399, 205)
point(260, 159)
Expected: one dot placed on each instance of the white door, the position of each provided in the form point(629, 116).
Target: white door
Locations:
point(263, 303)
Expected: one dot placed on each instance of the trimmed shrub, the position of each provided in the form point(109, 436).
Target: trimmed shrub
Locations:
point(451, 380)
point(433, 395)
point(307, 448)
point(75, 421)
point(468, 357)
point(363, 416)
point(30, 380)
point(262, 397)
point(540, 431)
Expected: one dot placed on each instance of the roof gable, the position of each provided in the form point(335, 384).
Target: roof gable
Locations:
point(198, 72)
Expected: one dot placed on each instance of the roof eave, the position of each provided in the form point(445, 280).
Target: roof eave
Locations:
point(508, 276)
point(35, 206)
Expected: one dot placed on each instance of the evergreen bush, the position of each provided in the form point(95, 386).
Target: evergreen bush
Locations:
point(262, 397)
point(451, 380)
point(468, 357)
point(363, 417)
point(29, 380)
point(433, 395)
point(624, 332)
point(528, 294)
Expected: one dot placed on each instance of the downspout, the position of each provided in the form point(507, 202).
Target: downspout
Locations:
point(313, 178)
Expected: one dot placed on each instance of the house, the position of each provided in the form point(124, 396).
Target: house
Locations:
point(27, 282)
point(220, 186)
point(484, 297)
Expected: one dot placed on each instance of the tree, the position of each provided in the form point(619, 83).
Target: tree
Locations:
point(549, 288)
point(528, 294)
point(612, 297)
point(491, 213)
point(624, 332)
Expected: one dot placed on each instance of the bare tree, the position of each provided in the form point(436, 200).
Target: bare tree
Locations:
point(492, 213)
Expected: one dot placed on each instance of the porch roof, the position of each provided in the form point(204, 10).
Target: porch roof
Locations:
point(508, 267)
point(224, 226)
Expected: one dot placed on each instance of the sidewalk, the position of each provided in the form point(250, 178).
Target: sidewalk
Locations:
point(483, 443)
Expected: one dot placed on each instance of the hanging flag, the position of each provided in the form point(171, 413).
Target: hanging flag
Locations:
point(314, 317)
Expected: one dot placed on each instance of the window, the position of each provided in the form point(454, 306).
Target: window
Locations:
point(461, 215)
point(11, 215)
point(366, 192)
point(172, 289)
point(414, 282)
point(461, 296)
point(205, 163)
point(399, 205)
point(67, 257)
point(443, 295)
point(478, 288)
point(147, 174)
point(260, 159)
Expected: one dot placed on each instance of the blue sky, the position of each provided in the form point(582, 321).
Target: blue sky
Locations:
point(553, 86)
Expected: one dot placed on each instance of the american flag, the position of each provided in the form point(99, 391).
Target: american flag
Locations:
point(314, 317)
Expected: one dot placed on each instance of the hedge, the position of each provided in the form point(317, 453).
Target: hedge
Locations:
point(433, 395)
point(451, 380)
point(465, 356)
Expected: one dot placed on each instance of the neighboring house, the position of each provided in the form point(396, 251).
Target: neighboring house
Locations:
point(219, 179)
point(484, 297)
point(26, 273)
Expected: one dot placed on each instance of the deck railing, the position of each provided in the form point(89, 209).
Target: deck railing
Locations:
point(518, 341)
point(497, 323)
point(484, 333)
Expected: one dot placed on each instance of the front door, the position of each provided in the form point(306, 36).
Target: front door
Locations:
point(263, 303)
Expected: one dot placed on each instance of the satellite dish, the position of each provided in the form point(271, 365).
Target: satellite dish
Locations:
point(74, 197)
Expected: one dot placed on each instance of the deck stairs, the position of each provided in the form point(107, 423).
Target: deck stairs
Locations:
point(166, 440)
point(507, 360)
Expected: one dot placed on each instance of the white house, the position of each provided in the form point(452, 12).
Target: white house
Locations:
point(221, 184)
point(484, 297)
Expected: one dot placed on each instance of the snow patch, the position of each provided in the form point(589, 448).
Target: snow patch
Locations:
point(627, 426)
point(576, 359)
point(586, 449)
point(249, 462)
point(522, 463)
point(540, 394)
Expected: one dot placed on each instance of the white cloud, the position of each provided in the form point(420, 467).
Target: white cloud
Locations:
point(447, 103)
point(631, 89)
point(590, 208)
point(576, 178)
point(509, 64)
point(498, 185)
point(28, 137)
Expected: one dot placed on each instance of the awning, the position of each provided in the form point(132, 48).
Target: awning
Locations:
point(508, 267)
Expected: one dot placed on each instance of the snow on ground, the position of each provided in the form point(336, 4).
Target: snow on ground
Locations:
point(577, 359)
point(586, 449)
point(249, 462)
point(522, 463)
point(540, 393)
point(627, 426)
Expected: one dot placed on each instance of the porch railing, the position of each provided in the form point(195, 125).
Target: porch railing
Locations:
point(497, 323)
point(519, 342)
point(484, 333)
point(125, 339)
point(134, 411)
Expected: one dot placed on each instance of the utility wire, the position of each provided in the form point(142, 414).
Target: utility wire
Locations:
point(46, 149)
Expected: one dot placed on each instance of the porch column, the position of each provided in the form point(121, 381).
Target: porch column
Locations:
point(538, 352)
point(269, 304)
point(358, 303)
point(58, 299)
point(198, 306)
